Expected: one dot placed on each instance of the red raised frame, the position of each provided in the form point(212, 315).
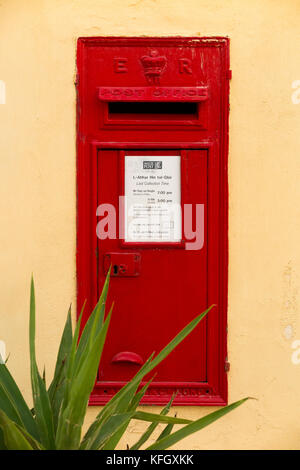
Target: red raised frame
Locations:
point(214, 391)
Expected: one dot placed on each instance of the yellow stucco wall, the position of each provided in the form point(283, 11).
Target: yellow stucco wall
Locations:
point(38, 205)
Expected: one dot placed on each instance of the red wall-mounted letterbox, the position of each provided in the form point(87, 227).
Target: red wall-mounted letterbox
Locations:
point(152, 136)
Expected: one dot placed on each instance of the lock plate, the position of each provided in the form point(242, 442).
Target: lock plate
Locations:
point(122, 264)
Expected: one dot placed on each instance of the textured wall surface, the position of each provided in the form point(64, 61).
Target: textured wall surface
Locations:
point(38, 198)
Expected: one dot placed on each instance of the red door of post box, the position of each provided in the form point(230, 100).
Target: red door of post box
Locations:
point(152, 204)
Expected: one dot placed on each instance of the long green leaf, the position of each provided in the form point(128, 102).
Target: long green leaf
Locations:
point(139, 395)
point(12, 399)
point(118, 404)
point(14, 438)
point(151, 364)
point(166, 431)
point(58, 384)
point(114, 424)
point(140, 415)
point(64, 349)
point(70, 368)
point(2, 442)
point(145, 369)
point(193, 427)
point(42, 406)
point(149, 431)
point(93, 325)
point(112, 442)
point(71, 420)
point(97, 318)
point(152, 417)
point(9, 407)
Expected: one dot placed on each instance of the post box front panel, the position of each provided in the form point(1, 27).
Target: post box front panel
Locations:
point(167, 280)
point(152, 146)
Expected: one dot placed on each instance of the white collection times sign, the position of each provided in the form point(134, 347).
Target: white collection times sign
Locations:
point(153, 198)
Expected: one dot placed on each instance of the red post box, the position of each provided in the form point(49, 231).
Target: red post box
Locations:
point(152, 137)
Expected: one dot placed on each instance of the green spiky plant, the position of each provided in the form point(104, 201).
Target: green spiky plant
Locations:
point(58, 413)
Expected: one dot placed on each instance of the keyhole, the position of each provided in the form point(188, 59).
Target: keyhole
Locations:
point(115, 269)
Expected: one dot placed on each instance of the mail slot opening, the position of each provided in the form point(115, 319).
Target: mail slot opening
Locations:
point(149, 111)
point(142, 107)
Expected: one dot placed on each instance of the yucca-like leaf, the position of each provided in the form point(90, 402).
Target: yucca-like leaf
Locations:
point(92, 327)
point(193, 427)
point(69, 371)
point(42, 406)
point(2, 442)
point(151, 363)
point(111, 427)
point(15, 437)
point(81, 350)
point(71, 419)
point(58, 384)
point(57, 417)
point(108, 441)
point(71, 363)
point(166, 431)
point(118, 402)
point(44, 375)
point(152, 417)
point(114, 427)
point(13, 403)
point(113, 441)
point(149, 431)
point(139, 395)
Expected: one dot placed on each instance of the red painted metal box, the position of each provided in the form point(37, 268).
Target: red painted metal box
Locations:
point(152, 137)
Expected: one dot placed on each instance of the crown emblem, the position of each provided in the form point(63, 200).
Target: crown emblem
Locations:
point(153, 66)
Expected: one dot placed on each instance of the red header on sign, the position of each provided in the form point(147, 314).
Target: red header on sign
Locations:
point(192, 93)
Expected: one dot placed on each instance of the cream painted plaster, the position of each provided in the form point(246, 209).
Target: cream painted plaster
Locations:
point(38, 191)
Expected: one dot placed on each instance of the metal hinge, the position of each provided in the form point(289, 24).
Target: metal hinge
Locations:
point(227, 366)
point(229, 74)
